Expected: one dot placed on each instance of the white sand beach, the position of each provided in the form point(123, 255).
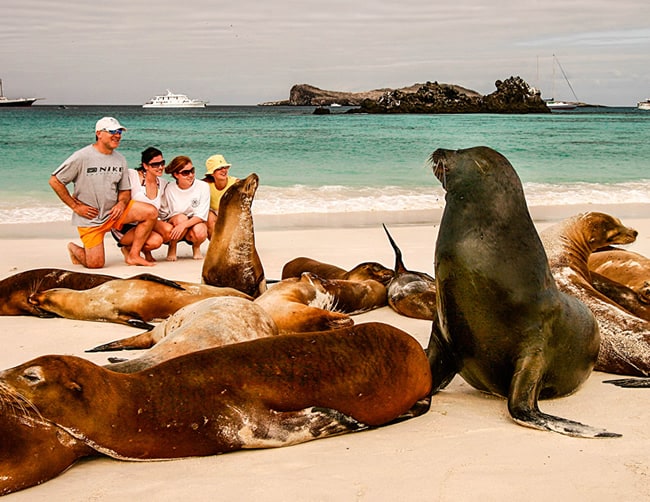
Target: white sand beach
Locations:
point(465, 448)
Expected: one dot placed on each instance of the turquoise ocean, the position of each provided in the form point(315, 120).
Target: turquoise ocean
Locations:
point(338, 162)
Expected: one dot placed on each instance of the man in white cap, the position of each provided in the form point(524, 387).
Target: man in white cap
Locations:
point(102, 197)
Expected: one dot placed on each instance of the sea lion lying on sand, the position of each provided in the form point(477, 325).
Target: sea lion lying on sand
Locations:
point(368, 270)
point(625, 267)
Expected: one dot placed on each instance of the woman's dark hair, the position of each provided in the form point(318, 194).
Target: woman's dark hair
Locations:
point(177, 164)
point(147, 155)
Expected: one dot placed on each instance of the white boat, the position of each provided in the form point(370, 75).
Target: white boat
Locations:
point(4, 101)
point(643, 105)
point(171, 100)
point(560, 105)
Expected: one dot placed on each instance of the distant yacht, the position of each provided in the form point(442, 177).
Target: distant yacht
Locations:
point(560, 105)
point(643, 105)
point(15, 102)
point(171, 100)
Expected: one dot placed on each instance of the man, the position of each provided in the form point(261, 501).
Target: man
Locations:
point(102, 197)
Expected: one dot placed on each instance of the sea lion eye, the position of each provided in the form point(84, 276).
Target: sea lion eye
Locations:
point(33, 375)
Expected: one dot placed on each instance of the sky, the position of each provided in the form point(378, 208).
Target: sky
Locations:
point(254, 51)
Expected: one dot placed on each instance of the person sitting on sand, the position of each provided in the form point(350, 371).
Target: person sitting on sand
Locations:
point(146, 186)
point(102, 197)
point(216, 175)
point(185, 207)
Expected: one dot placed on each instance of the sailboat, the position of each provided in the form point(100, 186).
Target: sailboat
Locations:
point(561, 105)
point(4, 101)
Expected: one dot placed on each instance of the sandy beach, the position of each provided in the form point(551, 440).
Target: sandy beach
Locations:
point(465, 448)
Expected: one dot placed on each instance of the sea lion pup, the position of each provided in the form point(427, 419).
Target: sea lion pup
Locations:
point(206, 324)
point(368, 270)
point(624, 338)
point(134, 302)
point(410, 293)
point(625, 297)
point(626, 267)
point(301, 305)
point(502, 321)
point(231, 259)
point(264, 393)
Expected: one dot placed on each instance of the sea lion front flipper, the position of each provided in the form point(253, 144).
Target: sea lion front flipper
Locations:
point(158, 279)
point(631, 383)
point(441, 359)
point(139, 323)
point(522, 402)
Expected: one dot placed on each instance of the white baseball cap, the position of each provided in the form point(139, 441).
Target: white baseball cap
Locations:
point(108, 124)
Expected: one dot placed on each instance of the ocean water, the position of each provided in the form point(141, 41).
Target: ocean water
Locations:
point(338, 162)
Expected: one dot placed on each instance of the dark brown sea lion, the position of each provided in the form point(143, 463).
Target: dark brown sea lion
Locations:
point(231, 259)
point(270, 392)
point(353, 297)
point(410, 293)
point(206, 324)
point(624, 338)
point(368, 270)
point(134, 302)
point(626, 267)
point(501, 318)
point(302, 304)
point(623, 296)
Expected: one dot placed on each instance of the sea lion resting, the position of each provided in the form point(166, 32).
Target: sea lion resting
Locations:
point(624, 338)
point(410, 293)
point(231, 259)
point(270, 392)
point(302, 304)
point(208, 323)
point(368, 270)
point(626, 267)
point(503, 325)
point(134, 302)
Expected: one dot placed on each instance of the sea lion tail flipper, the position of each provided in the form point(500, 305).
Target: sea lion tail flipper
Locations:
point(522, 403)
point(142, 341)
point(630, 383)
point(441, 359)
point(399, 264)
point(158, 279)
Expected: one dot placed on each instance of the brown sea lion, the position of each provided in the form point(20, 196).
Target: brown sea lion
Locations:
point(411, 293)
point(624, 338)
point(302, 304)
point(134, 302)
point(368, 270)
point(626, 267)
point(353, 297)
point(502, 322)
point(231, 259)
point(270, 392)
point(206, 324)
point(623, 296)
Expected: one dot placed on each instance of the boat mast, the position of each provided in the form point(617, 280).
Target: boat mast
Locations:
point(565, 78)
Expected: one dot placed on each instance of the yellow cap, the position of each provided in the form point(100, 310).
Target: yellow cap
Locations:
point(215, 163)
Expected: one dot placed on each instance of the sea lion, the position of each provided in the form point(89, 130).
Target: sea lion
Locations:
point(502, 321)
point(624, 338)
point(353, 297)
point(626, 267)
point(368, 270)
point(410, 293)
point(206, 324)
point(623, 296)
point(270, 392)
point(301, 305)
point(134, 302)
point(231, 259)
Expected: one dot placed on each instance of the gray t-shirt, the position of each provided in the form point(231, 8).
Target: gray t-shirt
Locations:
point(97, 178)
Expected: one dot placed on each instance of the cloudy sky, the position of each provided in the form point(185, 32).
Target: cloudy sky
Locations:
point(252, 51)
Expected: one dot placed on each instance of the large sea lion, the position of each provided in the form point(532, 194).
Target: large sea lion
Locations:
point(624, 338)
point(134, 302)
point(626, 267)
point(302, 304)
point(206, 324)
point(410, 293)
point(368, 270)
point(270, 392)
point(231, 259)
point(502, 321)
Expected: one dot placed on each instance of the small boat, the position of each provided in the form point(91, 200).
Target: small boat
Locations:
point(643, 105)
point(171, 100)
point(15, 102)
point(560, 105)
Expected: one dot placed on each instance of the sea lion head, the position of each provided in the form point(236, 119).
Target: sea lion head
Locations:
point(242, 190)
point(605, 230)
point(371, 270)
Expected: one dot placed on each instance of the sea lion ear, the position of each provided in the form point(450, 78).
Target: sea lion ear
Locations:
point(73, 386)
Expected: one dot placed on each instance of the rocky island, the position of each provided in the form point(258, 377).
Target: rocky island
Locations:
point(512, 95)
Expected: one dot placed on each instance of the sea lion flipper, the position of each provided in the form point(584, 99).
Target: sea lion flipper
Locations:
point(399, 264)
point(158, 279)
point(629, 383)
point(139, 323)
point(441, 359)
point(142, 341)
point(522, 403)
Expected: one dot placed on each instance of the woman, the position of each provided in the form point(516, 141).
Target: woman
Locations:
point(216, 176)
point(146, 186)
point(185, 207)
